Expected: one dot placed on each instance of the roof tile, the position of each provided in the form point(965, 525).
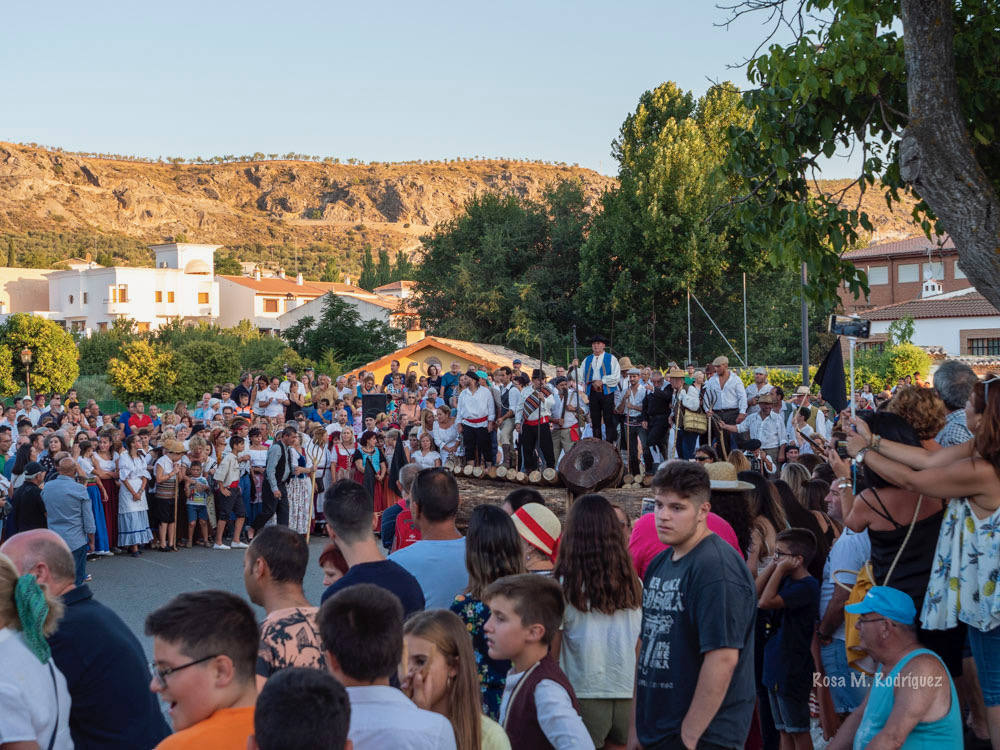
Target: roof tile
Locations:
point(918, 245)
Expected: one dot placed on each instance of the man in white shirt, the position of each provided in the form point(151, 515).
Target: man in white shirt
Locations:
point(291, 376)
point(565, 423)
point(361, 627)
point(628, 403)
point(816, 421)
point(757, 388)
point(765, 426)
point(477, 415)
point(28, 411)
point(601, 376)
point(532, 420)
point(725, 395)
point(273, 399)
point(510, 397)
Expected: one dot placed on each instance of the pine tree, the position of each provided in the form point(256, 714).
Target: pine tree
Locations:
point(403, 269)
point(368, 279)
point(383, 273)
point(330, 272)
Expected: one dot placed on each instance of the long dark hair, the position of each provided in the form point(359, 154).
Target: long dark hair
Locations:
point(762, 502)
point(988, 432)
point(734, 508)
point(21, 458)
point(800, 518)
point(891, 427)
point(492, 548)
point(593, 564)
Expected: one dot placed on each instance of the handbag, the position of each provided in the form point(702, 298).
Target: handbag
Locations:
point(694, 421)
point(857, 657)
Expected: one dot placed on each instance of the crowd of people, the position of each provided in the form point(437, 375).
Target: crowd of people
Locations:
point(794, 565)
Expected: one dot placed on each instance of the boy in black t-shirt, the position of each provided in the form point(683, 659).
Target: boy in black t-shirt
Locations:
point(694, 673)
point(785, 584)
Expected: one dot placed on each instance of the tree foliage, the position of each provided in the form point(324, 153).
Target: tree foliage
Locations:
point(922, 113)
point(383, 271)
point(8, 385)
point(369, 276)
point(54, 364)
point(144, 370)
point(403, 268)
point(341, 333)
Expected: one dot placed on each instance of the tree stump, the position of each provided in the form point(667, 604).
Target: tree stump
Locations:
point(520, 477)
point(456, 469)
point(467, 471)
point(477, 471)
point(501, 472)
point(591, 465)
point(550, 476)
point(535, 477)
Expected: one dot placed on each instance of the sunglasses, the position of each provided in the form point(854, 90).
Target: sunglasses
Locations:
point(986, 390)
point(701, 458)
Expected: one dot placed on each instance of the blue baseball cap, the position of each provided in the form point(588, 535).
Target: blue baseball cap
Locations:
point(891, 603)
point(482, 375)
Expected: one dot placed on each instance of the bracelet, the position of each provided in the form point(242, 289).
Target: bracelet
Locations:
point(876, 442)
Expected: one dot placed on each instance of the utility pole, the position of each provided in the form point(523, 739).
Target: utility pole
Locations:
point(689, 323)
point(805, 329)
point(746, 358)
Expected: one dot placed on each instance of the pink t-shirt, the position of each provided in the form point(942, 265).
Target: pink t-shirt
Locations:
point(644, 544)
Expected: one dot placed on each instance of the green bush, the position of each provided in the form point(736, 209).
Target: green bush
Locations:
point(94, 387)
point(786, 380)
point(884, 368)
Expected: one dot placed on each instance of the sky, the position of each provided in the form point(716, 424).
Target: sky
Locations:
point(378, 81)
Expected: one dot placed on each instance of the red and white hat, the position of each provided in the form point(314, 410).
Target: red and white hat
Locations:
point(539, 527)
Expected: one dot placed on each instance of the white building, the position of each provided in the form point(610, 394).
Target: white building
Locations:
point(962, 322)
point(263, 300)
point(400, 289)
point(383, 307)
point(181, 286)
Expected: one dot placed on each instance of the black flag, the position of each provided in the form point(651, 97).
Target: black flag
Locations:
point(831, 381)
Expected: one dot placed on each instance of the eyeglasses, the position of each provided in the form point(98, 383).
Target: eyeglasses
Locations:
point(865, 622)
point(162, 674)
point(701, 458)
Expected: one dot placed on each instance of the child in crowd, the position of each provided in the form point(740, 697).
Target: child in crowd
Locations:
point(204, 652)
point(197, 492)
point(301, 708)
point(539, 708)
point(361, 627)
point(788, 664)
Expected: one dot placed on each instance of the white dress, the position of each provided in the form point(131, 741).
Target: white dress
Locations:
point(133, 519)
point(299, 490)
point(444, 436)
point(425, 460)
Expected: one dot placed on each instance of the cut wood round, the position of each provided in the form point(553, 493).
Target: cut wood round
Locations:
point(501, 472)
point(467, 470)
point(456, 469)
point(492, 472)
point(550, 476)
point(535, 477)
point(591, 465)
point(477, 471)
point(647, 481)
point(627, 479)
point(520, 477)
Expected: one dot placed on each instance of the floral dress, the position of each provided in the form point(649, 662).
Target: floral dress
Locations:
point(965, 577)
point(492, 672)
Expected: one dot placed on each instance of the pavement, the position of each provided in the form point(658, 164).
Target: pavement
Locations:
point(135, 586)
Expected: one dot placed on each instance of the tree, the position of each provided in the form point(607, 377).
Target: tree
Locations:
point(101, 347)
point(369, 278)
point(341, 334)
point(201, 365)
point(226, 264)
point(8, 385)
point(330, 272)
point(383, 272)
point(403, 269)
point(145, 370)
point(921, 107)
point(54, 364)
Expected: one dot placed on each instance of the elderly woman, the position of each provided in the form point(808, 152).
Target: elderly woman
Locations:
point(966, 564)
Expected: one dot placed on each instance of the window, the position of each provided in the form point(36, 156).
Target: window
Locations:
point(984, 346)
point(909, 272)
point(202, 298)
point(159, 296)
point(71, 299)
point(959, 273)
point(102, 327)
point(123, 293)
point(170, 296)
point(878, 275)
point(270, 305)
point(77, 325)
point(142, 327)
point(85, 296)
point(936, 269)
point(875, 346)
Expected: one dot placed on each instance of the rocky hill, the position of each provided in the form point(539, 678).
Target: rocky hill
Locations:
point(54, 204)
point(256, 204)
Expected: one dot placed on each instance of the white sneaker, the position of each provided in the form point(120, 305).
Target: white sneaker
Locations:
point(221, 546)
point(238, 545)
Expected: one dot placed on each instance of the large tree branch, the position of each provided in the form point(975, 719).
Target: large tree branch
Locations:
point(936, 154)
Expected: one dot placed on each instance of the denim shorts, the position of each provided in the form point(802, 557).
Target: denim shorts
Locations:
point(986, 652)
point(195, 512)
point(846, 686)
point(791, 715)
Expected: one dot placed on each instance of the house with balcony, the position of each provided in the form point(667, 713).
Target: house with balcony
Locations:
point(181, 286)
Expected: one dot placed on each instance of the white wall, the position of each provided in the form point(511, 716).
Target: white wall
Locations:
point(941, 331)
point(365, 309)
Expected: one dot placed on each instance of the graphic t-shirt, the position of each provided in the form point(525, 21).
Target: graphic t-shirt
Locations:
point(289, 638)
point(702, 602)
point(788, 664)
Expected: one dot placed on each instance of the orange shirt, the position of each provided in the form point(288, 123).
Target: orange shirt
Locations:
point(226, 729)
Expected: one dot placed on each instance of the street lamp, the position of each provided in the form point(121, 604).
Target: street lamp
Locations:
point(26, 361)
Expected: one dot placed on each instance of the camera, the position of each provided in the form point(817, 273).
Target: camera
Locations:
point(848, 325)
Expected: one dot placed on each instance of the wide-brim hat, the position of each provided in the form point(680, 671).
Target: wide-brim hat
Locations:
point(173, 446)
point(802, 390)
point(676, 372)
point(539, 527)
point(625, 364)
point(724, 479)
point(633, 371)
point(599, 339)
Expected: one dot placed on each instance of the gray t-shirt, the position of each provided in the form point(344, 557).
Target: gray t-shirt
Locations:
point(439, 567)
point(702, 602)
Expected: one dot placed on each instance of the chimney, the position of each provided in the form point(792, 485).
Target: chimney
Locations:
point(347, 280)
point(413, 335)
point(298, 278)
point(256, 273)
point(281, 273)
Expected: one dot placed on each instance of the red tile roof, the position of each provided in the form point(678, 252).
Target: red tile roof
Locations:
point(918, 245)
point(275, 285)
point(972, 305)
point(395, 285)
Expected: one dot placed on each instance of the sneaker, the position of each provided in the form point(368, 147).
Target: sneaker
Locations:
point(221, 546)
point(238, 545)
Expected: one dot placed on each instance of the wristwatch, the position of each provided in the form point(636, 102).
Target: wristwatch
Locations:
point(859, 457)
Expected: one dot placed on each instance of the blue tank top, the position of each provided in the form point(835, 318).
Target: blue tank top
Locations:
point(934, 735)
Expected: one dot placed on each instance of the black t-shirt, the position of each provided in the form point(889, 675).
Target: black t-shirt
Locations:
point(391, 576)
point(788, 664)
point(702, 602)
point(28, 509)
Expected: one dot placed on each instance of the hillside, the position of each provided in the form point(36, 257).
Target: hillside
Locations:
point(263, 210)
point(298, 214)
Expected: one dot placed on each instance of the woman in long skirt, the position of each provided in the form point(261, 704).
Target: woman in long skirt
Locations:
point(97, 499)
point(106, 470)
point(133, 518)
point(300, 489)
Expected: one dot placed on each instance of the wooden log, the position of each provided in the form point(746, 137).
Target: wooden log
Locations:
point(591, 465)
point(647, 481)
point(535, 477)
point(477, 471)
point(467, 471)
point(520, 477)
point(550, 476)
point(492, 472)
point(456, 469)
point(501, 472)
point(627, 479)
